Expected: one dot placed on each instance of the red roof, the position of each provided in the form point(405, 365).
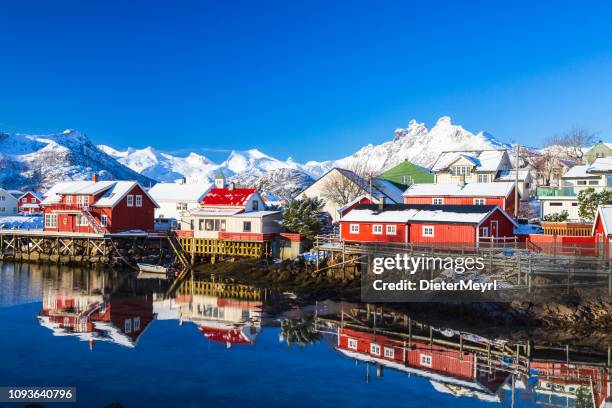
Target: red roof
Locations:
point(224, 197)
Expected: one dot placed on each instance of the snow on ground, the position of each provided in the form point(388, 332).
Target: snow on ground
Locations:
point(22, 222)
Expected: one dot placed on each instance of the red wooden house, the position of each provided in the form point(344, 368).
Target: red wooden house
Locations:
point(29, 203)
point(498, 193)
point(98, 207)
point(443, 365)
point(602, 226)
point(425, 223)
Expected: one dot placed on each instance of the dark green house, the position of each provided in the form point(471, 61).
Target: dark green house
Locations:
point(406, 174)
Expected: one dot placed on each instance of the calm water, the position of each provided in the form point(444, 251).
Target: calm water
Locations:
point(117, 339)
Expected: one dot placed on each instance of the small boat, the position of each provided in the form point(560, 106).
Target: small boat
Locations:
point(152, 268)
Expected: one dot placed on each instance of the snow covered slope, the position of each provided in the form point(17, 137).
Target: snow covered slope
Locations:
point(37, 162)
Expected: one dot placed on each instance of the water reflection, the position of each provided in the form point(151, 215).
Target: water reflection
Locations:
point(118, 309)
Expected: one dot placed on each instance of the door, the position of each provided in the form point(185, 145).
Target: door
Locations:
point(494, 228)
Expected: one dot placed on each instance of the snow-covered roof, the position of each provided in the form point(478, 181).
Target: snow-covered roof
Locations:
point(114, 191)
point(510, 175)
point(183, 192)
point(604, 212)
point(495, 189)
point(85, 187)
point(602, 164)
point(15, 193)
point(484, 160)
point(380, 187)
point(37, 195)
point(579, 171)
point(407, 213)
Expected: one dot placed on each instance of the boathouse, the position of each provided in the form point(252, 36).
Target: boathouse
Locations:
point(98, 207)
point(425, 223)
point(493, 193)
point(29, 203)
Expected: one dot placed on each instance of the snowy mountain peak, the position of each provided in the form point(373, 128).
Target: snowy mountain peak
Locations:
point(444, 121)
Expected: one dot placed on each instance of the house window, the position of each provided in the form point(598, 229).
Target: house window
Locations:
point(479, 201)
point(127, 325)
point(136, 323)
point(389, 353)
point(181, 206)
point(407, 180)
point(68, 199)
point(24, 200)
point(437, 201)
point(461, 170)
point(375, 349)
point(354, 228)
point(555, 204)
point(483, 178)
point(484, 231)
point(352, 344)
point(51, 220)
point(130, 200)
point(209, 225)
point(104, 220)
point(377, 229)
point(425, 360)
point(581, 182)
point(255, 205)
point(593, 182)
point(82, 200)
point(81, 220)
point(428, 231)
point(138, 200)
point(391, 229)
point(33, 201)
point(246, 226)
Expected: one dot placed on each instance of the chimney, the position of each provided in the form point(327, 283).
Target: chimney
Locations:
point(94, 178)
point(381, 203)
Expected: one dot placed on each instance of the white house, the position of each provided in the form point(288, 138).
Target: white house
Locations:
point(176, 198)
point(597, 176)
point(8, 201)
point(349, 181)
point(476, 166)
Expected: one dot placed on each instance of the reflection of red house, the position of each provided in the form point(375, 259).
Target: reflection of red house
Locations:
point(29, 203)
point(430, 224)
point(98, 207)
point(558, 383)
point(445, 367)
point(119, 320)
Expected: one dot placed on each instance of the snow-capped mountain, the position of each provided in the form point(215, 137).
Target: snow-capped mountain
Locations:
point(37, 162)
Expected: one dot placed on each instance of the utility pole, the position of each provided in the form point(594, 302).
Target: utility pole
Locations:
point(516, 180)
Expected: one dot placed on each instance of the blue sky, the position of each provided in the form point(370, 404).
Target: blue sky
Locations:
point(308, 79)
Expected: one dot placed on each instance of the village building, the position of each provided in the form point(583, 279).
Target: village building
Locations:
point(232, 213)
point(426, 224)
point(29, 203)
point(8, 202)
point(476, 166)
point(98, 207)
point(176, 199)
point(449, 370)
point(601, 149)
point(602, 225)
point(406, 174)
point(338, 187)
point(497, 193)
point(525, 181)
point(597, 175)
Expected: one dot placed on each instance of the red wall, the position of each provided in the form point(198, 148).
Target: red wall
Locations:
point(506, 204)
point(364, 200)
point(365, 232)
point(29, 196)
point(443, 233)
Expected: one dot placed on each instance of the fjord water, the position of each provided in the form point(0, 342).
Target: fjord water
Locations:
point(69, 327)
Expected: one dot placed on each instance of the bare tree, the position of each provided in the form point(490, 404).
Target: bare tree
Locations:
point(574, 142)
point(347, 184)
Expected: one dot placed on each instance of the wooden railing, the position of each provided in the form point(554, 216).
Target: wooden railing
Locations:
point(575, 229)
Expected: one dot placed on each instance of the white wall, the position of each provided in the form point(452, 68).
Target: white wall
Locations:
point(167, 209)
point(570, 204)
point(8, 203)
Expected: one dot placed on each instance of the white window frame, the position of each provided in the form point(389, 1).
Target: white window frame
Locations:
point(82, 221)
point(483, 178)
point(130, 200)
point(51, 220)
point(484, 232)
point(391, 229)
point(68, 199)
point(352, 344)
point(127, 326)
point(354, 228)
point(437, 201)
point(137, 323)
point(427, 234)
point(24, 200)
point(104, 220)
point(138, 200)
point(426, 360)
point(377, 229)
point(389, 353)
point(480, 201)
point(375, 349)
